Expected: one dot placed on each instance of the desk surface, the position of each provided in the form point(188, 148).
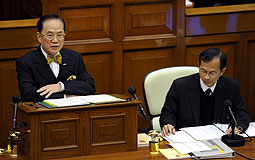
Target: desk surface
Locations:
point(143, 154)
point(33, 110)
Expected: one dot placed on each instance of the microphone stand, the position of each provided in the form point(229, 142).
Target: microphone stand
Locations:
point(233, 140)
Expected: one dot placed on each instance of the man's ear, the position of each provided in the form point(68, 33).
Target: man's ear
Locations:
point(223, 71)
point(39, 36)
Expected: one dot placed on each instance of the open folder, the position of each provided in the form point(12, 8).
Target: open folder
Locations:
point(81, 100)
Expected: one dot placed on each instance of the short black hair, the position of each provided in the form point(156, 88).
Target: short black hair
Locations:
point(211, 53)
point(48, 17)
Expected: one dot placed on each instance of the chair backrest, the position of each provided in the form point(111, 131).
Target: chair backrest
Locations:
point(156, 85)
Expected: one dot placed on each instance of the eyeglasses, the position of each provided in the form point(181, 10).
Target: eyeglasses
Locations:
point(205, 72)
point(50, 37)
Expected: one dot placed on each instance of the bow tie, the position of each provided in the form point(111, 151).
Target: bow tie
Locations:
point(57, 59)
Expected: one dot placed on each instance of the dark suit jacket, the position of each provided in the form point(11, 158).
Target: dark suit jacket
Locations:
point(33, 72)
point(182, 104)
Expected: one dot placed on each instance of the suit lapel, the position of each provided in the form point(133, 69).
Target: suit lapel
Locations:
point(219, 98)
point(43, 68)
point(194, 97)
point(64, 67)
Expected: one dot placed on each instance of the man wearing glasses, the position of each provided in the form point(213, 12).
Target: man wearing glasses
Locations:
point(198, 99)
point(52, 71)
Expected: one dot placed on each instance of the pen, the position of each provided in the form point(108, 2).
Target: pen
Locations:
point(38, 106)
point(28, 104)
point(218, 127)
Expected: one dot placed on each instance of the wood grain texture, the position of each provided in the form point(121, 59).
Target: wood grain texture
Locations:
point(79, 130)
point(122, 40)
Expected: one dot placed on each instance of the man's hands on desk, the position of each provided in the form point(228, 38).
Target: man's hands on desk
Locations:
point(169, 129)
point(236, 130)
point(49, 89)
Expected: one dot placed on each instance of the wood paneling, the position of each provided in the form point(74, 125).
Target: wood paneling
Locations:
point(145, 19)
point(121, 41)
point(135, 62)
point(250, 101)
point(222, 23)
point(87, 23)
point(81, 130)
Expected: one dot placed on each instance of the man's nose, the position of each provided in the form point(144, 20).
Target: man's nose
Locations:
point(54, 39)
point(207, 76)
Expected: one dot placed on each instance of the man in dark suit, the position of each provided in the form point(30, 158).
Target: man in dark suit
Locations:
point(199, 99)
point(52, 71)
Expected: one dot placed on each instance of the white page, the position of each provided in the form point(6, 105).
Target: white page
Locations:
point(250, 131)
point(61, 102)
point(189, 147)
point(180, 136)
point(100, 98)
point(83, 100)
point(222, 127)
point(204, 132)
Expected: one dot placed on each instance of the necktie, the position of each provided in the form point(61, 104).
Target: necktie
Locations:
point(57, 59)
point(208, 92)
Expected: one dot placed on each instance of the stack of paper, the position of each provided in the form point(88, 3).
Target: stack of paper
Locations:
point(81, 100)
point(204, 142)
point(204, 132)
point(218, 150)
point(250, 131)
point(184, 143)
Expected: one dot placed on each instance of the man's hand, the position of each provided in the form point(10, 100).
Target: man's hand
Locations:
point(236, 131)
point(167, 130)
point(49, 89)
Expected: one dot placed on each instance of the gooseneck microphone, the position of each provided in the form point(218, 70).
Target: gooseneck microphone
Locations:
point(132, 91)
point(15, 99)
point(232, 140)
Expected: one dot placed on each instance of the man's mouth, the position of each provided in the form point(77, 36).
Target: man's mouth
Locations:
point(54, 47)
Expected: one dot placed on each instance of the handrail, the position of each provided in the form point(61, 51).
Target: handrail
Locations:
point(220, 9)
point(18, 23)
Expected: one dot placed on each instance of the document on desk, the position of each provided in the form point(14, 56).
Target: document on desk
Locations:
point(171, 153)
point(250, 131)
point(204, 132)
point(218, 150)
point(189, 147)
point(184, 143)
point(179, 136)
point(82, 100)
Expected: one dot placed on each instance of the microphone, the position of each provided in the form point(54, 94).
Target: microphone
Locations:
point(15, 99)
point(232, 140)
point(132, 91)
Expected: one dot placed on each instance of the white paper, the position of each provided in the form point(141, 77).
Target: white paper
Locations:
point(189, 147)
point(180, 136)
point(83, 100)
point(72, 101)
point(250, 131)
point(204, 132)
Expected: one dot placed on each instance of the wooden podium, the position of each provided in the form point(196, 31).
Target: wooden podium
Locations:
point(79, 130)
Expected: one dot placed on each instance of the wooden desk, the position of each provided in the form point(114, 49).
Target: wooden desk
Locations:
point(79, 130)
point(143, 154)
